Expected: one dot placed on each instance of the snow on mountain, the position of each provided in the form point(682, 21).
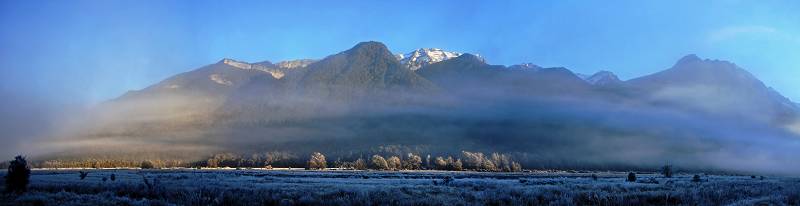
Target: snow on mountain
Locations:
point(425, 56)
point(525, 66)
point(276, 73)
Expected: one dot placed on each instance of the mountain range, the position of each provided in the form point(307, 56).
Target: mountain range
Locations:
point(699, 113)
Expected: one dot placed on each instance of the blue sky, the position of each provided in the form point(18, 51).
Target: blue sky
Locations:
point(84, 52)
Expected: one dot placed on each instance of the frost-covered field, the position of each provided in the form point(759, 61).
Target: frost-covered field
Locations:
point(265, 187)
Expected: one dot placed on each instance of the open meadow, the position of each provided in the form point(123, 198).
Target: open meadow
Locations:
point(300, 187)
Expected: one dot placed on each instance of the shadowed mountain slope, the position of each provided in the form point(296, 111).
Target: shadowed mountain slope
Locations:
point(718, 88)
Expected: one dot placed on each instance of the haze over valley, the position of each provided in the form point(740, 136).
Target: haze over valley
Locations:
point(700, 114)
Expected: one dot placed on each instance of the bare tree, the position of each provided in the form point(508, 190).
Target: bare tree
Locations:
point(457, 165)
point(428, 162)
point(379, 163)
point(478, 161)
point(394, 163)
point(359, 164)
point(503, 162)
point(413, 162)
point(440, 163)
point(516, 167)
point(317, 161)
point(488, 165)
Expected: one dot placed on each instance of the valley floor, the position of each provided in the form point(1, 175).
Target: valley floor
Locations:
point(270, 187)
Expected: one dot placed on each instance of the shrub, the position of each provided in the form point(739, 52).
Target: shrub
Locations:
point(18, 175)
point(696, 178)
point(650, 181)
point(147, 165)
point(631, 177)
point(447, 180)
point(667, 171)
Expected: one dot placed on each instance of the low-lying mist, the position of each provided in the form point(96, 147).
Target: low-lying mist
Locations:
point(565, 132)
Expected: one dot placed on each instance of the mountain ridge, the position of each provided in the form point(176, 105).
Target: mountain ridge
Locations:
point(365, 97)
point(367, 57)
point(370, 67)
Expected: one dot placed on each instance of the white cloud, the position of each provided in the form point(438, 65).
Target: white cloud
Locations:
point(732, 32)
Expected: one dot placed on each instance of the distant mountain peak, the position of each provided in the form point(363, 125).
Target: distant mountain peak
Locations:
point(689, 59)
point(471, 57)
point(692, 69)
point(693, 65)
point(425, 56)
point(370, 47)
point(366, 68)
point(602, 78)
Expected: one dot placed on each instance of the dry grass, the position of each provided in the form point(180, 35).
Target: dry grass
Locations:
point(259, 187)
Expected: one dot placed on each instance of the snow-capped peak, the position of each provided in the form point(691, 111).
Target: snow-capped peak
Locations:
point(425, 56)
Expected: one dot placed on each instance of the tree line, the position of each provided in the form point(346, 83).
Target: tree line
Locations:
point(466, 160)
point(477, 161)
